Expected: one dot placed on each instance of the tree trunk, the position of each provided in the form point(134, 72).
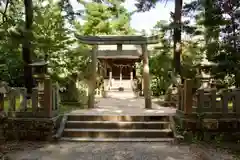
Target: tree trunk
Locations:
point(177, 36)
point(237, 83)
point(26, 46)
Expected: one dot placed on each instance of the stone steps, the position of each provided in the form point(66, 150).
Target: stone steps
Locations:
point(120, 128)
point(114, 92)
point(118, 118)
point(117, 139)
point(116, 125)
point(126, 84)
point(120, 94)
point(116, 133)
point(116, 89)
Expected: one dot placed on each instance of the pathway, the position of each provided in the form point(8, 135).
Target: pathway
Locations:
point(124, 106)
point(106, 151)
point(113, 150)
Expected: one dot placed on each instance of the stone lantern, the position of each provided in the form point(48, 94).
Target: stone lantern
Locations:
point(40, 74)
point(204, 72)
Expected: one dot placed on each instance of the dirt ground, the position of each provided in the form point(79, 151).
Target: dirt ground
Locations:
point(109, 151)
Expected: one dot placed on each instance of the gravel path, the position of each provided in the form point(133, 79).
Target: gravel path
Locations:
point(106, 151)
point(128, 106)
point(112, 151)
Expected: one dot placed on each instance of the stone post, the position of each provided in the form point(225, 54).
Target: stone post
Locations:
point(23, 99)
point(188, 85)
point(35, 100)
point(146, 78)
point(131, 74)
point(110, 80)
point(48, 97)
point(2, 92)
point(180, 97)
point(1, 102)
point(120, 76)
point(93, 79)
point(12, 99)
point(236, 104)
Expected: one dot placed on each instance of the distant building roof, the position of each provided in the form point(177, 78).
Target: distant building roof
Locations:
point(131, 45)
point(113, 54)
point(115, 39)
point(114, 47)
point(128, 51)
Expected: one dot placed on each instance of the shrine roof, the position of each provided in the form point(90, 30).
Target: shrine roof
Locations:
point(114, 47)
point(114, 39)
point(114, 54)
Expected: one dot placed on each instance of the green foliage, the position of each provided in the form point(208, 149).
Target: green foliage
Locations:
point(10, 53)
point(215, 33)
point(162, 57)
point(53, 37)
point(221, 29)
point(97, 17)
point(146, 5)
point(107, 17)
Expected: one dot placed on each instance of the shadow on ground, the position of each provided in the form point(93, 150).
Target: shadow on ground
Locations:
point(104, 151)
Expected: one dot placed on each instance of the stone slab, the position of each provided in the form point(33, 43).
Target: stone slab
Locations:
point(30, 128)
point(124, 106)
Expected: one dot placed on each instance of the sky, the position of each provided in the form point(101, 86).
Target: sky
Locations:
point(144, 20)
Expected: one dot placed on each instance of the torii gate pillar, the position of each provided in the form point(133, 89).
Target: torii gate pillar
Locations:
point(146, 78)
point(93, 78)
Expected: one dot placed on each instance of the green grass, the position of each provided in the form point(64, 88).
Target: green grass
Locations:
point(230, 105)
point(6, 104)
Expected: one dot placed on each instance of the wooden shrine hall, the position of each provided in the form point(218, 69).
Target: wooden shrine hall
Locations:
point(118, 61)
point(119, 54)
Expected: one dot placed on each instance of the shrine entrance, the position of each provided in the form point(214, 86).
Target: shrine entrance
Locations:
point(120, 69)
point(118, 63)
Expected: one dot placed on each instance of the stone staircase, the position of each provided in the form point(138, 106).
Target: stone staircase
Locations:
point(117, 128)
point(126, 84)
point(115, 93)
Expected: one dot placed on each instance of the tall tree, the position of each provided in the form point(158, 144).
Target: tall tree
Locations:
point(221, 26)
point(26, 46)
point(106, 17)
point(145, 5)
point(177, 35)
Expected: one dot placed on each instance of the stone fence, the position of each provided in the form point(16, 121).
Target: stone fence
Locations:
point(35, 118)
point(208, 109)
point(42, 103)
point(209, 101)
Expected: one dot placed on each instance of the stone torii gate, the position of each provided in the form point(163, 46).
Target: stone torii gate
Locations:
point(119, 41)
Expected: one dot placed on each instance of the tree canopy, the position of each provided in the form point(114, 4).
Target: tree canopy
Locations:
point(212, 28)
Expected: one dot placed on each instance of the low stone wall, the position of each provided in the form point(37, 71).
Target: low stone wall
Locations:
point(1, 132)
point(209, 112)
point(31, 128)
point(209, 128)
point(2, 119)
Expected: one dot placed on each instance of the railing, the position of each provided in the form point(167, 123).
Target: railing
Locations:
point(41, 104)
point(99, 92)
point(226, 101)
point(208, 101)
